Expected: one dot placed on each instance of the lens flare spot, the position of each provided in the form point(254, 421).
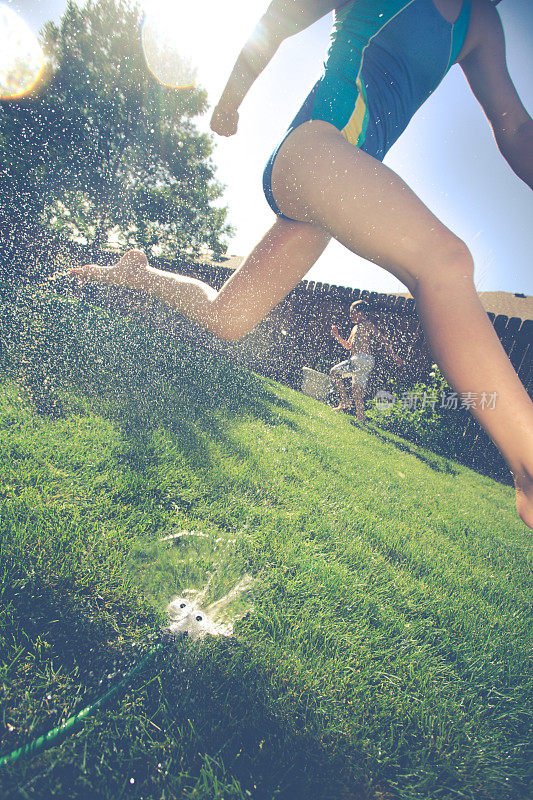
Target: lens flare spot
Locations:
point(164, 58)
point(21, 56)
point(196, 43)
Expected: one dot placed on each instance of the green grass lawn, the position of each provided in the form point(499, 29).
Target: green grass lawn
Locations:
point(388, 648)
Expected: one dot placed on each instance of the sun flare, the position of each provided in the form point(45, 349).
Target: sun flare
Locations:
point(188, 43)
point(21, 56)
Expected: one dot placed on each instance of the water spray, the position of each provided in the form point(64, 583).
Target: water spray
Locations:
point(188, 620)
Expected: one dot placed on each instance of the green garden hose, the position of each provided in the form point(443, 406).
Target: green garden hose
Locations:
point(56, 735)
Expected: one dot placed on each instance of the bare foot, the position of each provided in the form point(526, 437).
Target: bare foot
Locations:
point(130, 271)
point(523, 482)
point(343, 407)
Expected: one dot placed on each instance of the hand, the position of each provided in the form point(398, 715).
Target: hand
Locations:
point(334, 330)
point(224, 121)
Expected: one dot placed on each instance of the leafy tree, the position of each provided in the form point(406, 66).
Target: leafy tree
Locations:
point(105, 150)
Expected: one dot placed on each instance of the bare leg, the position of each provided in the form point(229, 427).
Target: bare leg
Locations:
point(345, 402)
point(273, 268)
point(320, 178)
point(358, 396)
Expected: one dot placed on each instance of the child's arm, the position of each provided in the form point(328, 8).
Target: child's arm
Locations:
point(336, 335)
point(282, 19)
point(485, 67)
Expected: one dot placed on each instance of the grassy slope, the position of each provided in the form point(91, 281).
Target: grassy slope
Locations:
point(389, 650)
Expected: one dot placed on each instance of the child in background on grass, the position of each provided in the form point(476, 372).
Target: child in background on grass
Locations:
point(363, 337)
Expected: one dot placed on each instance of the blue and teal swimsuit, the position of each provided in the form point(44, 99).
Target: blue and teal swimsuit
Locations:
point(385, 59)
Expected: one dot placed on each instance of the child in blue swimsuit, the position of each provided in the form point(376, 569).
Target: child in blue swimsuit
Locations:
point(327, 179)
point(378, 72)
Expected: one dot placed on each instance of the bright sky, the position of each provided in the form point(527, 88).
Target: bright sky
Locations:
point(447, 155)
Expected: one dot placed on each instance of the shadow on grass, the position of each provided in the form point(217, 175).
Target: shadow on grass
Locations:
point(436, 463)
point(274, 747)
point(78, 626)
